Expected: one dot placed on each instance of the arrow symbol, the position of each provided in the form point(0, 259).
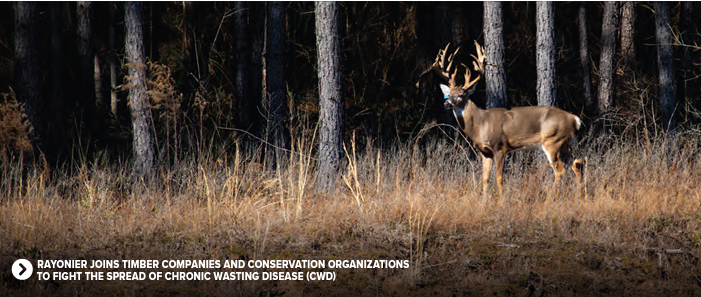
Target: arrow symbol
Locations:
point(22, 269)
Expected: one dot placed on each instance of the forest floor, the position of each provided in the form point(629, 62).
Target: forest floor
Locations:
point(633, 228)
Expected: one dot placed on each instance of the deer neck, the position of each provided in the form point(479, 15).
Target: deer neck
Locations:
point(467, 116)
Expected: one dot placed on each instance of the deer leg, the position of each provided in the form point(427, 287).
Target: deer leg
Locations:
point(553, 154)
point(578, 174)
point(499, 167)
point(486, 167)
point(577, 171)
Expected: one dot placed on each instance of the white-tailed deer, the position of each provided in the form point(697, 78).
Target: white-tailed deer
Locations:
point(498, 131)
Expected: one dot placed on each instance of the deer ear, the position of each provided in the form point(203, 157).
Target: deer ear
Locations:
point(446, 91)
point(470, 91)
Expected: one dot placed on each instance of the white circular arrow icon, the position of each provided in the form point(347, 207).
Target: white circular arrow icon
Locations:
point(22, 269)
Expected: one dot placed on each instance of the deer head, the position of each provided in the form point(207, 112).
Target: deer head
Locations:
point(456, 95)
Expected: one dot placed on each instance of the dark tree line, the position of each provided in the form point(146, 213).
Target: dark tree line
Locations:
point(255, 69)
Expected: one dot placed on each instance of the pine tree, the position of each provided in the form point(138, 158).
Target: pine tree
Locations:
point(328, 42)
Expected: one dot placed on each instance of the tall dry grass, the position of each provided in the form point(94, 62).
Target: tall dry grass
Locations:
point(636, 216)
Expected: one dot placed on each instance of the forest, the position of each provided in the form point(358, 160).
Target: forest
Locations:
point(317, 130)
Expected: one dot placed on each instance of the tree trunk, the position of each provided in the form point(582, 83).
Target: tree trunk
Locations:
point(608, 53)
point(687, 87)
point(114, 66)
point(545, 54)
point(328, 43)
point(86, 54)
point(143, 144)
point(274, 80)
point(584, 57)
point(257, 18)
point(243, 67)
point(495, 76)
point(57, 81)
point(665, 63)
point(628, 34)
point(27, 80)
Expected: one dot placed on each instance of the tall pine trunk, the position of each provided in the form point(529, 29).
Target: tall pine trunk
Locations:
point(57, 81)
point(243, 67)
point(86, 62)
point(607, 59)
point(546, 88)
point(328, 43)
point(687, 86)
point(628, 34)
point(114, 65)
point(584, 57)
point(27, 79)
point(274, 81)
point(495, 74)
point(143, 143)
point(665, 64)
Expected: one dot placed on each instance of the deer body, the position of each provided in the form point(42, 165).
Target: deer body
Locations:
point(497, 131)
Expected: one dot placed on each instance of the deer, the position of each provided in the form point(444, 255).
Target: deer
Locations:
point(498, 131)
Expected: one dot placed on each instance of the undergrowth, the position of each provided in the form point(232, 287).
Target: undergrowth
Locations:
point(633, 227)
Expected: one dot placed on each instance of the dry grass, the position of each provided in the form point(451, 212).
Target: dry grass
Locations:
point(635, 228)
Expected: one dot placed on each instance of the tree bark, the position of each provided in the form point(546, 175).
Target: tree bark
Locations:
point(495, 74)
point(628, 33)
point(328, 42)
point(608, 53)
point(143, 143)
point(86, 54)
point(27, 80)
point(545, 54)
point(665, 63)
point(584, 57)
point(57, 81)
point(687, 87)
point(274, 89)
point(243, 66)
point(257, 19)
point(114, 66)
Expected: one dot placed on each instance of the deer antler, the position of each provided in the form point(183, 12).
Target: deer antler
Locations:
point(440, 68)
point(478, 64)
point(480, 59)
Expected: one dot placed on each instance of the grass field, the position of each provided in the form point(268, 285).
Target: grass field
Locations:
point(633, 229)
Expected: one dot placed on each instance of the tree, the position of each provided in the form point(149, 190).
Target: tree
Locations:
point(495, 74)
point(628, 33)
point(86, 62)
point(665, 64)
point(328, 43)
point(27, 79)
point(114, 66)
point(608, 52)
point(57, 82)
point(243, 66)
point(143, 143)
point(687, 88)
point(546, 88)
point(274, 100)
point(584, 56)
